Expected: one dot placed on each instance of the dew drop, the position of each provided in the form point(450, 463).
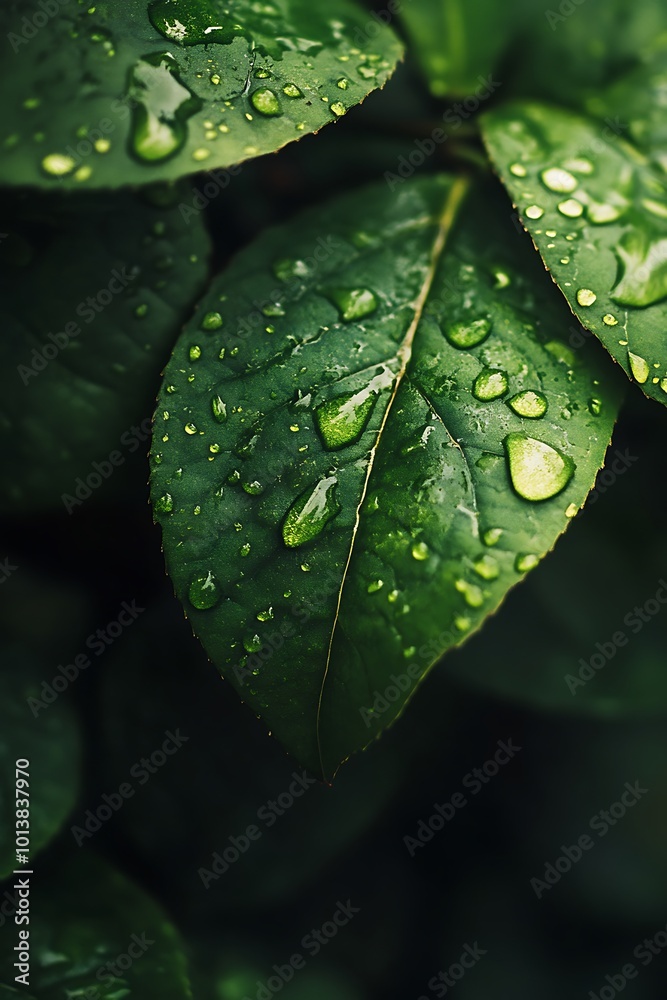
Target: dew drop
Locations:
point(291, 90)
point(472, 594)
point(211, 321)
point(190, 428)
point(244, 550)
point(252, 643)
point(254, 488)
point(571, 510)
point(518, 169)
point(195, 352)
point(601, 213)
point(639, 367)
point(162, 105)
point(266, 102)
point(341, 421)
point(165, 504)
point(420, 551)
point(338, 109)
point(529, 404)
point(534, 212)
point(586, 297)
point(353, 303)
point(58, 164)
point(219, 409)
point(571, 208)
point(525, 561)
point(486, 567)
point(374, 586)
point(204, 592)
point(490, 384)
point(310, 512)
point(643, 263)
point(595, 406)
point(559, 180)
point(492, 536)
point(609, 320)
point(265, 616)
point(465, 335)
point(537, 470)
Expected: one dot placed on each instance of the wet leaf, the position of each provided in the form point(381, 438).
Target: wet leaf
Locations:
point(341, 499)
point(133, 92)
point(597, 211)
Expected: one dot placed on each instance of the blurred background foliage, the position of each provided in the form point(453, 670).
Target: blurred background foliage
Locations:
point(471, 881)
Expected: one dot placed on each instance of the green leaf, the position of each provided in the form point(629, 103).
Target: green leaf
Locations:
point(84, 917)
point(50, 741)
point(80, 360)
point(321, 550)
point(126, 93)
point(597, 211)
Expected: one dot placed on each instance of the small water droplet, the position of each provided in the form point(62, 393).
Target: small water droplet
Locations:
point(537, 470)
point(310, 513)
point(353, 303)
point(486, 567)
point(595, 406)
point(609, 320)
point(165, 504)
point(338, 109)
point(219, 409)
point(374, 586)
point(266, 102)
point(526, 561)
point(492, 536)
point(266, 615)
point(529, 404)
point(190, 428)
point(465, 335)
point(534, 212)
point(195, 352)
point(472, 594)
point(254, 488)
point(639, 367)
point(518, 169)
point(204, 592)
point(586, 297)
point(571, 510)
point(211, 321)
point(559, 180)
point(58, 164)
point(490, 384)
point(571, 208)
point(291, 90)
point(601, 213)
point(244, 550)
point(420, 551)
point(252, 643)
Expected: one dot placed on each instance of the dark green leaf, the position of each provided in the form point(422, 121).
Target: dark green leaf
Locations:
point(84, 917)
point(50, 741)
point(336, 501)
point(597, 211)
point(126, 93)
point(91, 302)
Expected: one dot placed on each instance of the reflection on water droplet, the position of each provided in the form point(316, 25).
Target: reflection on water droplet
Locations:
point(586, 297)
point(310, 512)
point(219, 409)
point(204, 592)
point(490, 384)
point(639, 367)
point(420, 551)
point(165, 504)
point(486, 567)
point(529, 404)
point(161, 107)
point(526, 561)
point(559, 180)
point(537, 470)
point(465, 335)
point(353, 303)
point(266, 102)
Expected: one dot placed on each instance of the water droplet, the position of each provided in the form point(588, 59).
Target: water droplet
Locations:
point(643, 263)
point(252, 643)
point(559, 180)
point(529, 404)
point(219, 409)
point(472, 594)
point(420, 551)
point(464, 335)
point(291, 90)
point(580, 165)
point(486, 567)
point(265, 616)
point(266, 102)
point(571, 510)
point(609, 320)
point(254, 488)
point(518, 169)
point(165, 504)
point(526, 561)
point(490, 384)
point(195, 352)
point(367, 72)
point(595, 406)
point(560, 351)
point(353, 303)
point(492, 536)
point(204, 592)
point(374, 586)
point(162, 104)
point(338, 109)
point(586, 297)
point(244, 550)
point(571, 208)
point(310, 512)
point(537, 470)
point(341, 421)
point(190, 428)
point(58, 164)
point(189, 23)
point(601, 213)
point(534, 212)
point(201, 154)
point(343, 83)
point(639, 367)
point(211, 321)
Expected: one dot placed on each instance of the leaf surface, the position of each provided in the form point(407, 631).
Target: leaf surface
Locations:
point(596, 209)
point(341, 468)
point(133, 92)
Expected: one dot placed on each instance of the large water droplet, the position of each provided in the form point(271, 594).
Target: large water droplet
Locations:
point(341, 421)
point(162, 106)
point(58, 164)
point(266, 102)
point(639, 367)
point(353, 303)
point(571, 208)
point(486, 567)
point(204, 591)
point(464, 335)
point(643, 262)
point(310, 512)
point(532, 405)
point(538, 471)
point(559, 180)
point(490, 384)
